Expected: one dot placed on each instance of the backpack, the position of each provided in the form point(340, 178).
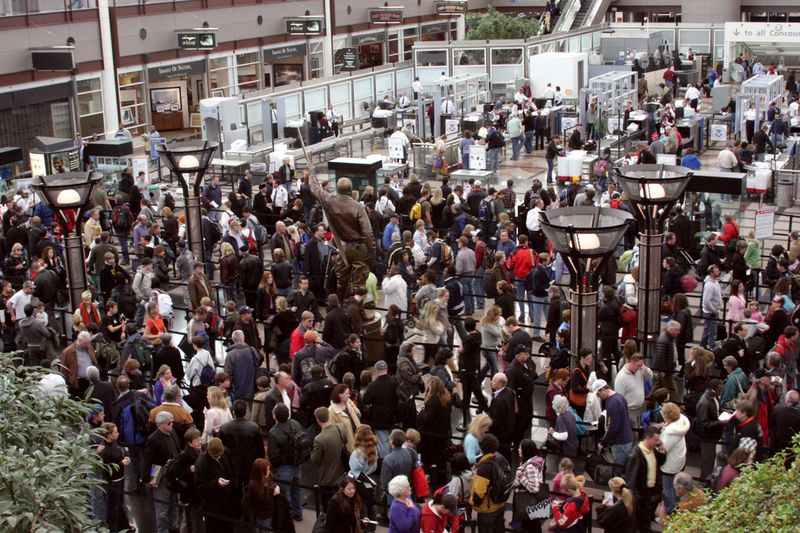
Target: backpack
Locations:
point(485, 210)
point(122, 217)
point(142, 351)
point(300, 445)
point(107, 353)
point(647, 416)
point(169, 201)
point(621, 288)
point(305, 367)
point(502, 480)
point(133, 422)
point(489, 284)
point(488, 260)
point(216, 232)
point(416, 212)
point(446, 255)
point(207, 375)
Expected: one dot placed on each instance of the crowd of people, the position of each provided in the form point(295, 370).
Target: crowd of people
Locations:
point(467, 284)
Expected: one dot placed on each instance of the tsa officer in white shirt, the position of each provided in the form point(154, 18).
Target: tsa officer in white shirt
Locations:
point(404, 101)
point(417, 87)
point(333, 119)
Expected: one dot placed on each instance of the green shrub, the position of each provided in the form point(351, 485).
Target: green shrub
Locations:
point(766, 497)
point(46, 464)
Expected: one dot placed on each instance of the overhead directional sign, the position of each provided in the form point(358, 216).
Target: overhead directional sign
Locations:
point(762, 32)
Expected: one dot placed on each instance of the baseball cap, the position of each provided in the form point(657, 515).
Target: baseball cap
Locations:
point(244, 309)
point(381, 365)
point(599, 385)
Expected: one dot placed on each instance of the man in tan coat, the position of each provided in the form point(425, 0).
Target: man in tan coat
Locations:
point(198, 285)
point(75, 359)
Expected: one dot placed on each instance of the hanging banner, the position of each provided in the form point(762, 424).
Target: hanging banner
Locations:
point(765, 223)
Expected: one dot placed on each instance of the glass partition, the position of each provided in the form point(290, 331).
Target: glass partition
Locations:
point(404, 79)
point(507, 64)
point(247, 78)
point(220, 76)
point(90, 107)
point(132, 102)
point(340, 99)
point(384, 85)
point(316, 100)
point(363, 97)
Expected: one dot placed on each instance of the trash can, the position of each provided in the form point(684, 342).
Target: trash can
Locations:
point(784, 190)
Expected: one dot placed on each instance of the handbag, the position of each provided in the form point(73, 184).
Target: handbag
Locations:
point(529, 506)
point(366, 488)
point(730, 405)
point(553, 445)
point(418, 479)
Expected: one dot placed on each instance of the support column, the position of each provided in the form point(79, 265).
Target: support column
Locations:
point(461, 27)
point(194, 228)
point(583, 309)
point(327, 41)
point(108, 76)
point(76, 269)
point(649, 320)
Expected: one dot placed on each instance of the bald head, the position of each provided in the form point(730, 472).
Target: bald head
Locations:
point(499, 381)
point(792, 397)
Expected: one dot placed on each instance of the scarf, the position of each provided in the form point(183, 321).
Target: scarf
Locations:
point(89, 313)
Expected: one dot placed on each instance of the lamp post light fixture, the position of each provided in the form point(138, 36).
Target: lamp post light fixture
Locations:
point(585, 237)
point(70, 191)
point(653, 191)
point(190, 161)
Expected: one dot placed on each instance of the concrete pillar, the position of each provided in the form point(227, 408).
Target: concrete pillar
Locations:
point(327, 41)
point(108, 75)
point(709, 11)
point(461, 28)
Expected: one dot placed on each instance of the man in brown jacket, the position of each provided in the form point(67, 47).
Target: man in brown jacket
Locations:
point(198, 285)
point(75, 359)
point(327, 452)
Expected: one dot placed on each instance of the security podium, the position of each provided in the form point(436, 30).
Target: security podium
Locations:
point(361, 171)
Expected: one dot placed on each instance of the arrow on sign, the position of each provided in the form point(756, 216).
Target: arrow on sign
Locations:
point(736, 32)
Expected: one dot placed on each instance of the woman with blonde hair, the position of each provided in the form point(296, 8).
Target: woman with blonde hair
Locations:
point(229, 272)
point(281, 272)
point(616, 514)
point(154, 326)
point(14, 266)
point(87, 313)
point(491, 327)
point(433, 328)
point(164, 380)
point(217, 413)
point(480, 426)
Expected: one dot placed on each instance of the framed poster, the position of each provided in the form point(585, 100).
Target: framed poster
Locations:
point(127, 116)
point(287, 73)
point(477, 157)
point(166, 99)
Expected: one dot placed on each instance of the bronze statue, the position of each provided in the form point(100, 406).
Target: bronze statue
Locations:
point(352, 235)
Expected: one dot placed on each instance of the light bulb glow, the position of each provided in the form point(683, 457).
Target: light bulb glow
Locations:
point(67, 197)
point(188, 161)
point(653, 191)
point(587, 241)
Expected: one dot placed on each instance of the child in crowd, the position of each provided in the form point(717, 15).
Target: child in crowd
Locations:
point(564, 467)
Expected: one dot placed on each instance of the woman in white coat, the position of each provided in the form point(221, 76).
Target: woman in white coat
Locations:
point(395, 290)
point(673, 436)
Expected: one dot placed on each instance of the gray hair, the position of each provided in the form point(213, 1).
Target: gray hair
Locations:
point(560, 404)
point(84, 336)
point(673, 324)
point(237, 336)
point(92, 374)
point(684, 481)
point(164, 417)
point(166, 339)
point(172, 394)
point(397, 485)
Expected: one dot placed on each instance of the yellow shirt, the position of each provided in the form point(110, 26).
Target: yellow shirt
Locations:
point(652, 466)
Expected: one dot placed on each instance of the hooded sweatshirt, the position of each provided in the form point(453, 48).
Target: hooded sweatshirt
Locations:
point(673, 436)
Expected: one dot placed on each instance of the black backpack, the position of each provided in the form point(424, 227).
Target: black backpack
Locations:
point(122, 217)
point(502, 480)
point(490, 284)
point(169, 201)
point(300, 445)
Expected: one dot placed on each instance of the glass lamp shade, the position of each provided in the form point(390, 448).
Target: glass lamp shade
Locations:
point(70, 190)
point(187, 158)
point(585, 231)
point(653, 184)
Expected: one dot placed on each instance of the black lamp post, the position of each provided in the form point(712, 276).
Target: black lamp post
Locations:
point(585, 237)
point(653, 191)
point(64, 192)
point(190, 161)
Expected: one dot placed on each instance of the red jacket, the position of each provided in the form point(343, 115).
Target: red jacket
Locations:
point(521, 262)
point(296, 342)
point(730, 231)
point(568, 514)
point(429, 522)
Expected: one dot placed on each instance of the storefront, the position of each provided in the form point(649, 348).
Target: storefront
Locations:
point(45, 110)
point(173, 94)
point(370, 48)
point(284, 65)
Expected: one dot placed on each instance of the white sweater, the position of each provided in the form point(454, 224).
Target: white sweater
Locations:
point(673, 436)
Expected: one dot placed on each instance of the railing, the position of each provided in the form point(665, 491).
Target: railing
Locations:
point(593, 10)
point(567, 17)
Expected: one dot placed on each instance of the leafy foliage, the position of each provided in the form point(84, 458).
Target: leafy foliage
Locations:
point(763, 498)
point(496, 25)
point(46, 464)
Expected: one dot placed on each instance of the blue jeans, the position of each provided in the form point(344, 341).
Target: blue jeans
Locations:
point(620, 453)
point(98, 500)
point(668, 491)
point(549, 170)
point(288, 478)
point(491, 365)
point(540, 304)
point(477, 287)
point(709, 337)
point(465, 161)
point(466, 286)
point(529, 142)
point(265, 523)
point(168, 514)
point(383, 442)
point(494, 159)
point(519, 288)
point(516, 147)
point(123, 246)
point(232, 292)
